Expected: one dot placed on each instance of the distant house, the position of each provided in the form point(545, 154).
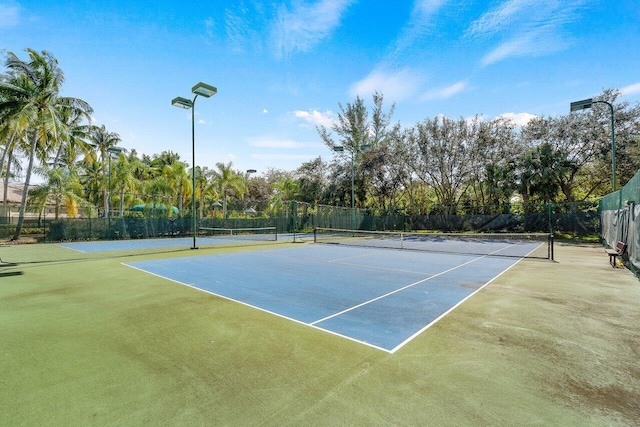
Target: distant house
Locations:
point(10, 213)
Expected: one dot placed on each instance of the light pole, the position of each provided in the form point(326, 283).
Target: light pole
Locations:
point(340, 149)
point(207, 91)
point(246, 184)
point(587, 103)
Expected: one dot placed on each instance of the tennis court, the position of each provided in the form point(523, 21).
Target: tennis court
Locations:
point(379, 297)
point(211, 237)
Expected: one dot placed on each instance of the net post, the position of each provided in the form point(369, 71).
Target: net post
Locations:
point(315, 235)
point(550, 247)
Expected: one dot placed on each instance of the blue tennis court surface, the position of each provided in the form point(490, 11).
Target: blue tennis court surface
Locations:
point(380, 297)
point(136, 244)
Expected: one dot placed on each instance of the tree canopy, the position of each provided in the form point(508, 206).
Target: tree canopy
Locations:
point(439, 161)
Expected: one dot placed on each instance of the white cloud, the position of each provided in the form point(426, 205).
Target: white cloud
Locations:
point(265, 111)
point(630, 90)
point(526, 27)
point(9, 15)
point(304, 26)
point(394, 85)
point(520, 119)
point(445, 92)
point(315, 117)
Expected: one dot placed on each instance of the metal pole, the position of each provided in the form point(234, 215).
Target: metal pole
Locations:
point(109, 199)
point(613, 144)
point(613, 149)
point(353, 198)
point(193, 171)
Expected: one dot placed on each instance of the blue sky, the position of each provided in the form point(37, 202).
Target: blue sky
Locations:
point(282, 67)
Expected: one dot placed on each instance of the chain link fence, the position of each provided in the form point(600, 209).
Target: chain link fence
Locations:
point(578, 221)
point(618, 212)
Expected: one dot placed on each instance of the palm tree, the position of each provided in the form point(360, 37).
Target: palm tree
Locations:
point(227, 182)
point(102, 140)
point(33, 110)
point(63, 184)
point(284, 189)
point(177, 178)
point(91, 179)
point(124, 178)
point(205, 190)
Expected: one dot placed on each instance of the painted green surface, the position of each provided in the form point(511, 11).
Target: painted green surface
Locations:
point(94, 342)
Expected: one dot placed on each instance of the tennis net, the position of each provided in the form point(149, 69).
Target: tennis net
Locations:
point(257, 233)
point(520, 245)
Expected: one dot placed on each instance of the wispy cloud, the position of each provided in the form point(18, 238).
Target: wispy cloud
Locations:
point(304, 26)
point(315, 117)
point(9, 15)
point(396, 85)
point(631, 89)
point(445, 92)
point(242, 26)
point(420, 22)
point(526, 27)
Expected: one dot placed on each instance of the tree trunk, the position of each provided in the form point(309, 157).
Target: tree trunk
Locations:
point(23, 205)
point(122, 202)
point(6, 175)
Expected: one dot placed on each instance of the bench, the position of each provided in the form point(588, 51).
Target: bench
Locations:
point(619, 250)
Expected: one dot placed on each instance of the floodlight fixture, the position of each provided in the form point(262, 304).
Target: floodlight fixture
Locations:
point(204, 89)
point(182, 102)
point(581, 105)
point(116, 150)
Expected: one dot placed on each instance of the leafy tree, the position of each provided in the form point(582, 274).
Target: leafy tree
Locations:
point(33, 110)
point(178, 179)
point(227, 182)
point(356, 133)
point(541, 168)
point(285, 189)
point(102, 140)
point(312, 180)
point(446, 155)
point(500, 183)
point(63, 185)
point(123, 178)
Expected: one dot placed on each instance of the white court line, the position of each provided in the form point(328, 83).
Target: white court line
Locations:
point(300, 322)
point(398, 290)
point(434, 321)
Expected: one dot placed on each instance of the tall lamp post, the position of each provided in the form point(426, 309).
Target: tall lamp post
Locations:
point(587, 103)
point(207, 91)
point(246, 184)
point(340, 149)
